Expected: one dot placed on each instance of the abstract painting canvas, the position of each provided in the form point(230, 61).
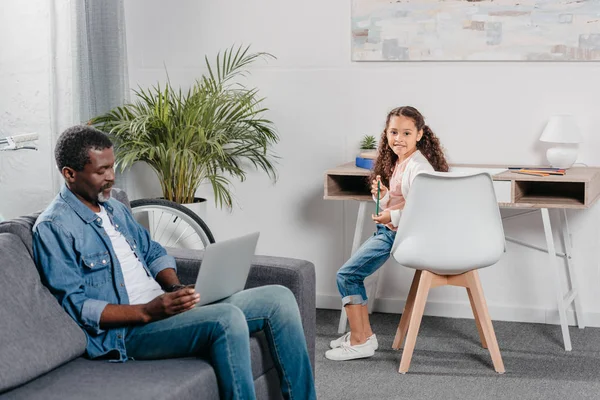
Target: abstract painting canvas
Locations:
point(529, 30)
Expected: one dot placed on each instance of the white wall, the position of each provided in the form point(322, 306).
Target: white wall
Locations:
point(322, 104)
point(36, 85)
point(25, 177)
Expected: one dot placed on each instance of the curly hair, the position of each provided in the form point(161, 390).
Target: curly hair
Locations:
point(73, 146)
point(429, 145)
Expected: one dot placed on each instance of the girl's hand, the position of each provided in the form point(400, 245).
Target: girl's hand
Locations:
point(383, 217)
point(382, 189)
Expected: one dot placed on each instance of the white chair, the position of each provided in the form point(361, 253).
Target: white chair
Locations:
point(450, 227)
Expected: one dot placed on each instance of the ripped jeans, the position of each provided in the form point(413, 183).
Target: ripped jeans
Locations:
point(364, 262)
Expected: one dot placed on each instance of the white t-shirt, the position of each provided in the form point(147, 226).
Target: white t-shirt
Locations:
point(141, 287)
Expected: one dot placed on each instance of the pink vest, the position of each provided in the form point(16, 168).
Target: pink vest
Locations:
point(396, 201)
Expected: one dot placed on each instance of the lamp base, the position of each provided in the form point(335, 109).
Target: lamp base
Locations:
point(562, 155)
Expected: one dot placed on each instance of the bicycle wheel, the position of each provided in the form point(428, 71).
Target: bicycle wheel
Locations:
point(171, 224)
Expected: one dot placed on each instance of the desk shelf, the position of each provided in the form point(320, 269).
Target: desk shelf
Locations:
point(347, 187)
point(347, 182)
point(549, 194)
point(578, 188)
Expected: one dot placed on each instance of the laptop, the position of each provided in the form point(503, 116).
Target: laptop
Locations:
point(225, 268)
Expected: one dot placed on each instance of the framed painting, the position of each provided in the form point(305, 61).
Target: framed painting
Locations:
point(495, 30)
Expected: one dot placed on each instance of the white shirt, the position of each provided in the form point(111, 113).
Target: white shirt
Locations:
point(141, 287)
point(416, 164)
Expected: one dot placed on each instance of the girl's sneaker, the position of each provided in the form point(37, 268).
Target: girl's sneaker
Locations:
point(338, 342)
point(346, 338)
point(348, 352)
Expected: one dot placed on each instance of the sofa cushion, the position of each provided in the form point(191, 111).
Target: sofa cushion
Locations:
point(260, 354)
point(21, 227)
point(36, 335)
point(177, 378)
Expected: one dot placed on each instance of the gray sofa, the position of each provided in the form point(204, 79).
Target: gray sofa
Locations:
point(41, 347)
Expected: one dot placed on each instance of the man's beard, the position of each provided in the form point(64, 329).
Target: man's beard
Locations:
point(102, 198)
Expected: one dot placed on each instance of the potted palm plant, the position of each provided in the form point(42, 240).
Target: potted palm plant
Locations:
point(211, 132)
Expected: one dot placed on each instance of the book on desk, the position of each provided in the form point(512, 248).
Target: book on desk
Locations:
point(538, 171)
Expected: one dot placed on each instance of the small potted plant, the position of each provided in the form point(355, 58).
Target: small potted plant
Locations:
point(368, 147)
point(368, 152)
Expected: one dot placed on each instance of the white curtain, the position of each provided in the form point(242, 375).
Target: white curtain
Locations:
point(100, 62)
point(88, 65)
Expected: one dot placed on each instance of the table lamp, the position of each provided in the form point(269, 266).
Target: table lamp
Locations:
point(562, 131)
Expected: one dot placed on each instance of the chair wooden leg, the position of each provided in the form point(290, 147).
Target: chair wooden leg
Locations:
point(408, 307)
point(477, 320)
point(415, 320)
point(484, 317)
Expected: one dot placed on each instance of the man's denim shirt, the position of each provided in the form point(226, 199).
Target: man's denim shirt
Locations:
point(77, 262)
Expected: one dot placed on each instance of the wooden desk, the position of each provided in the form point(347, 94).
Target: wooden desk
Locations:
point(579, 188)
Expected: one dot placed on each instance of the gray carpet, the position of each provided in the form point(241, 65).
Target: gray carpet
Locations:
point(449, 362)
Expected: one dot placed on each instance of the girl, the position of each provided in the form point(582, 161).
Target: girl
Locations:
point(407, 148)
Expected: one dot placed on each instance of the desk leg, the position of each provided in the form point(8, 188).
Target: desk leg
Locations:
point(360, 222)
point(571, 271)
point(553, 264)
point(372, 293)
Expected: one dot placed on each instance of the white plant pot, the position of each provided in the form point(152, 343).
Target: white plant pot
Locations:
point(198, 207)
point(371, 152)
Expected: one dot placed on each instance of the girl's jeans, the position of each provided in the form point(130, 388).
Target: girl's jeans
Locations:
point(365, 261)
point(221, 332)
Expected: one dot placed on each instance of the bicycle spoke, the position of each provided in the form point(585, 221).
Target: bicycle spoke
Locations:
point(179, 238)
point(190, 235)
point(199, 240)
point(163, 230)
point(173, 231)
point(156, 226)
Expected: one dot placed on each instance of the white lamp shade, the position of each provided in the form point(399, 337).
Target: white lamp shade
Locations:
point(561, 129)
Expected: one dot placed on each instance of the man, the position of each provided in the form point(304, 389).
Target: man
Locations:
point(122, 289)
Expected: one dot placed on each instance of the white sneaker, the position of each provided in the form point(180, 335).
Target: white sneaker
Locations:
point(372, 340)
point(338, 342)
point(348, 352)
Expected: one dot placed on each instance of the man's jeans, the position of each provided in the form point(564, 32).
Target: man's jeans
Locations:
point(221, 331)
point(365, 261)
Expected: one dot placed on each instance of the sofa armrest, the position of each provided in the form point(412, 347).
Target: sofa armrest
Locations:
point(298, 276)
point(295, 274)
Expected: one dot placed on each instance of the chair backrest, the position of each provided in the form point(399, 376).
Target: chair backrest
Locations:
point(451, 224)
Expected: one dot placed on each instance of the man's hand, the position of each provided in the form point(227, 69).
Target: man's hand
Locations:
point(383, 217)
point(169, 304)
point(382, 189)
